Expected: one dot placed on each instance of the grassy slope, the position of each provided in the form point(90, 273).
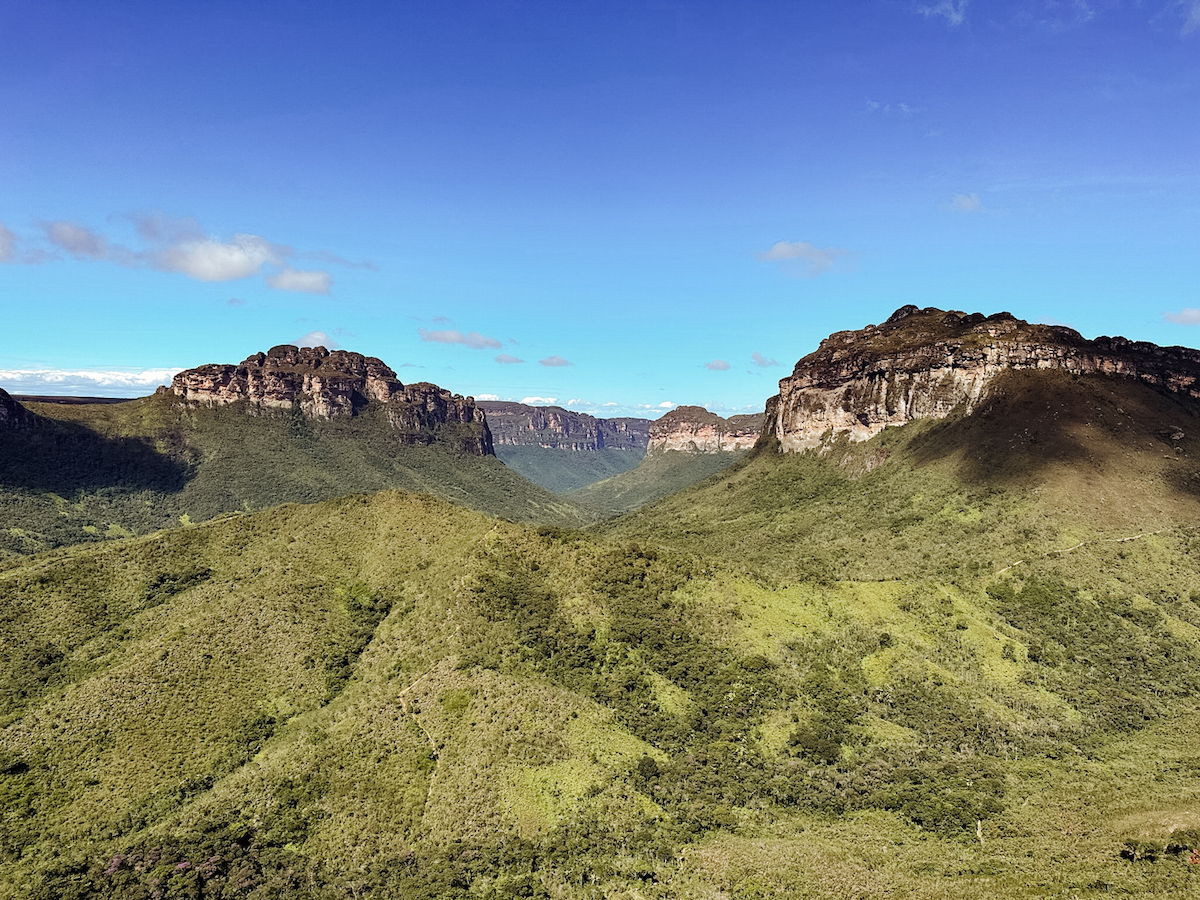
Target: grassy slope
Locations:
point(657, 475)
point(567, 470)
point(111, 470)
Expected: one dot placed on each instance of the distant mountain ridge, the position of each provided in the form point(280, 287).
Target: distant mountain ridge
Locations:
point(552, 427)
point(924, 363)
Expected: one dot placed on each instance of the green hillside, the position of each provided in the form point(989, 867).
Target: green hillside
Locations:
point(561, 471)
point(657, 475)
point(390, 696)
point(87, 472)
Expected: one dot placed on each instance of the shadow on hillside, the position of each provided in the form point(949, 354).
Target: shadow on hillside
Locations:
point(64, 458)
point(1031, 421)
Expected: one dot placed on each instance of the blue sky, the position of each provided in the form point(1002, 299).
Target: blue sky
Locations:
point(617, 206)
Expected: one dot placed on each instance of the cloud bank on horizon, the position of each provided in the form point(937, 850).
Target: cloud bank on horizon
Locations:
point(696, 202)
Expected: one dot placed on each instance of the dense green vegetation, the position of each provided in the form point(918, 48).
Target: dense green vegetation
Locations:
point(657, 475)
point(90, 472)
point(905, 668)
point(561, 471)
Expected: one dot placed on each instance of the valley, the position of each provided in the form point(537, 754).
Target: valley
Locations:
point(911, 635)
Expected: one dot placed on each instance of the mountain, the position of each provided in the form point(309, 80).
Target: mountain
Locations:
point(292, 424)
point(12, 413)
point(923, 364)
point(694, 429)
point(562, 450)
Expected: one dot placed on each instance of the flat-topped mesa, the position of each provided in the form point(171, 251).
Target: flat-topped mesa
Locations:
point(923, 363)
point(325, 384)
point(555, 428)
point(693, 429)
point(12, 413)
point(334, 384)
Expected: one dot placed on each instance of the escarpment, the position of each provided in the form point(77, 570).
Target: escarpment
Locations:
point(336, 384)
point(694, 429)
point(555, 428)
point(924, 363)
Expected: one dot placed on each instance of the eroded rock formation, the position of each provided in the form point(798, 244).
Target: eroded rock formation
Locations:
point(923, 363)
point(329, 385)
point(696, 430)
point(552, 427)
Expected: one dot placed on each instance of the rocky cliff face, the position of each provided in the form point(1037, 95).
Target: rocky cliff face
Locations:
point(518, 425)
point(696, 430)
point(337, 384)
point(923, 363)
point(12, 413)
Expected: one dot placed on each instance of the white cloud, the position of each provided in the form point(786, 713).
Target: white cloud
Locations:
point(760, 360)
point(553, 361)
point(472, 339)
point(507, 360)
point(314, 282)
point(666, 404)
point(964, 203)
point(212, 260)
point(811, 259)
point(317, 339)
point(1186, 316)
point(85, 383)
point(80, 242)
point(8, 245)
point(954, 13)
point(717, 365)
point(539, 401)
point(486, 397)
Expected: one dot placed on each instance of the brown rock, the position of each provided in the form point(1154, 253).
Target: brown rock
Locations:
point(925, 363)
point(12, 413)
point(518, 425)
point(694, 429)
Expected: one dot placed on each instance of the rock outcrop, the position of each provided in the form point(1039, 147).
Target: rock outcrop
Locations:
point(331, 385)
point(12, 413)
point(924, 363)
point(694, 429)
point(555, 428)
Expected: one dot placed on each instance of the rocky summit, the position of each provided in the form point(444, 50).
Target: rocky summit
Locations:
point(325, 384)
point(924, 363)
point(694, 429)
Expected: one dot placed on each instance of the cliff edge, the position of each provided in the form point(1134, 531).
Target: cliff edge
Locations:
point(924, 363)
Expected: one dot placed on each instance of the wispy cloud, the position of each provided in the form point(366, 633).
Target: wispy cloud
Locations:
point(1186, 316)
point(964, 203)
point(78, 241)
point(311, 282)
point(84, 382)
point(181, 246)
point(717, 365)
point(539, 401)
point(487, 396)
point(903, 110)
point(952, 12)
point(472, 339)
point(8, 245)
point(506, 360)
point(553, 361)
point(666, 404)
point(808, 260)
point(759, 360)
point(1191, 16)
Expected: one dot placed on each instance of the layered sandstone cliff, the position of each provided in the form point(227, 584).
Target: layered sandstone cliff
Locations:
point(331, 385)
point(923, 363)
point(555, 428)
point(694, 429)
